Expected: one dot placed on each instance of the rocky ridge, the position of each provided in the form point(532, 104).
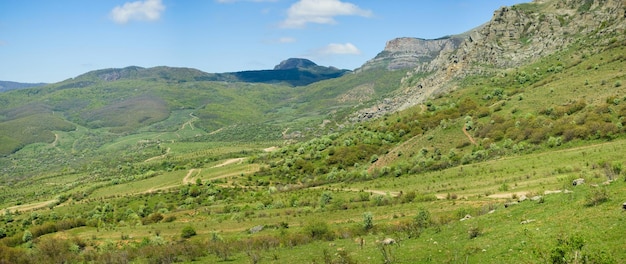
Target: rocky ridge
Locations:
point(406, 53)
point(515, 35)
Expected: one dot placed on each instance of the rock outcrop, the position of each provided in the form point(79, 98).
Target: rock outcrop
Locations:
point(514, 36)
point(407, 53)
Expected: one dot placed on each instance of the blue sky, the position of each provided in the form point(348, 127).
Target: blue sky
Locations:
point(50, 41)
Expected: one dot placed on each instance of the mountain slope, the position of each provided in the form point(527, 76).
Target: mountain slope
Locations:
point(516, 35)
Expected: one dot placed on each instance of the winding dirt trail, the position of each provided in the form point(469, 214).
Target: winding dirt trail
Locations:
point(190, 122)
point(228, 161)
point(158, 157)
point(467, 134)
point(56, 140)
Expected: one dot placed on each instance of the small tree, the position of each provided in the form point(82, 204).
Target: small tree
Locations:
point(28, 236)
point(422, 219)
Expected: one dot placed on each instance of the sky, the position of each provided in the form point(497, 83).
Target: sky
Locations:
point(53, 40)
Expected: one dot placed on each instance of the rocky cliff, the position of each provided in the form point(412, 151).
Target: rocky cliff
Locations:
point(514, 36)
point(406, 53)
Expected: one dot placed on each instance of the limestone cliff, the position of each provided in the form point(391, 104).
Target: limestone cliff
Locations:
point(406, 53)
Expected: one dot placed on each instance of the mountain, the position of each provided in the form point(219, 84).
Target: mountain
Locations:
point(295, 63)
point(7, 85)
point(293, 71)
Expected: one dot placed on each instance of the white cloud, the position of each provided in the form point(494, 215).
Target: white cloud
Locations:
point(341, 49)
point(321, 12)
point(148, 10)
point(233, 1)
point(286, 40)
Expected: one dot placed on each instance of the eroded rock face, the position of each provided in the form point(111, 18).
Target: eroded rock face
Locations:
point(406, 53)
point(515, 35)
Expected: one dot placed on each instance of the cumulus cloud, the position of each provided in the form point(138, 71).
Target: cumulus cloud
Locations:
point(341, 49)
point(320, 12)
point(148, 10)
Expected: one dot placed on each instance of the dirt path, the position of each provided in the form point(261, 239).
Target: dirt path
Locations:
point(187, 179)
point(190, 122)
point(56, 140)
point(227, 162)
point(393, 154)
point(467, 134)
point(32, 206)
point(158, 157)
point(216, 131)
point(379, 192)
point(270, 149)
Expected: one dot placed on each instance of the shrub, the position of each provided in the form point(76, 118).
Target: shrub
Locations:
point(474, 232)
point(319, 230)
point(422, 219)
point(188, 232)
point(596, 197)
point(368, 221)
point(28, 236)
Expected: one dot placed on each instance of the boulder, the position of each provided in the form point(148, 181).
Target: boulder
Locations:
point(578, 181)
point(467, 217)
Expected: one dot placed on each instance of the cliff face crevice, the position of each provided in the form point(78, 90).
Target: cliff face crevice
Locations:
point(514, 36)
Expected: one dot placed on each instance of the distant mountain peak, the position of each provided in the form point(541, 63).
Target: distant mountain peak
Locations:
point(294, 63)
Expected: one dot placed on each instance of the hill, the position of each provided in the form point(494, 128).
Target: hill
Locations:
point(7, 86)
point(494, 152)
point(133, 99)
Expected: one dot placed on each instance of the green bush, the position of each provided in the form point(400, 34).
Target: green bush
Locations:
point(319, 230)
point(368, 221)
point(188, 232)
point(596, 197)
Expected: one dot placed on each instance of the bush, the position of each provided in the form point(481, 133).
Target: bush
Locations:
point(597, 197)
point(473, 232)
point(188, 232)
point(422, 219)
point(368, 221)
point(319, 230)
point(28, 236)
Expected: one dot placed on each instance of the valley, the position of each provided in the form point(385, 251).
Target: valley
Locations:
point(455, 157)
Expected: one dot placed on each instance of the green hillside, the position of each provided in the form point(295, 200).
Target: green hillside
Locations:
point(518, 164)
point(123, 101)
